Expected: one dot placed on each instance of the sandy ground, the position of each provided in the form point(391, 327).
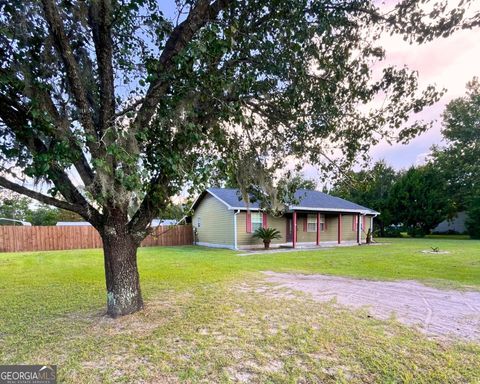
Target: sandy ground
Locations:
point(435, 312)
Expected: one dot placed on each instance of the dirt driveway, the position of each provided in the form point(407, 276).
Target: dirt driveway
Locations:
point(435, 312)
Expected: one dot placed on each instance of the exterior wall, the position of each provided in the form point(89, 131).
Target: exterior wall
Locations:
point(347, 233)
point(216, 222)
point(244, 238)
point(331, 234)
point(217, 226)
point(368, 221)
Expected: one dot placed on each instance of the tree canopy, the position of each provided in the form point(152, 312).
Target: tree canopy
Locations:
point(458, 161)
point(370, 188)
point(419, 200)
point(113, 108)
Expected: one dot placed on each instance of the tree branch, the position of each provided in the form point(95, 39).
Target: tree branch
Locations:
point(183, 33)
point(5, 183)
point(17, 117)
point(62, 130)
point(60, 39)
point(100, 21)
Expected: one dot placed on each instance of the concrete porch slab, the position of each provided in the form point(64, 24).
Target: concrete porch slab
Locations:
point(301, 247)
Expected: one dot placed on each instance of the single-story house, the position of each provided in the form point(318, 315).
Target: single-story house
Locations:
point(221, 219)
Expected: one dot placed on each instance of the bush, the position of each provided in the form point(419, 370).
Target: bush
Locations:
point(392, 232)
point(417, 232)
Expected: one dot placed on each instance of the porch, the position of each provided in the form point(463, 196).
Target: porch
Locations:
point(307, 229)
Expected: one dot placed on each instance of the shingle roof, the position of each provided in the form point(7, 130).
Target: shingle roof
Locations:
point(308, 200)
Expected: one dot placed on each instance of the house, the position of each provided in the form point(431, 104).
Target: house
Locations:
point(454, 224)
point(221, 219)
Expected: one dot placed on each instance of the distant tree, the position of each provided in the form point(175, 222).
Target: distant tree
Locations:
point(139, 105)
point(459, 161)
point(419, 200)
point(174, 211)
point(370, 188)
point(44, 215)
point(14, 206)
point(473, 220)
point(64, 215)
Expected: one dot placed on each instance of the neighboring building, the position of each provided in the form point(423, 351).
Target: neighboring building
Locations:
point(73, 224)
point(221, 219)
point(163, 222)
point(455, 224)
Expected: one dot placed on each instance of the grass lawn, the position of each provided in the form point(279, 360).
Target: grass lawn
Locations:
point(209, 319)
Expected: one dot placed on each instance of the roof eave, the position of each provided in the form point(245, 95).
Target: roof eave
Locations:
point(339, 210)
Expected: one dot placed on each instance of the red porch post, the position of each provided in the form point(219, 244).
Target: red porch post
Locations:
point(357, 218)
point(294, 229)
point(339, 228)
point(318, 228)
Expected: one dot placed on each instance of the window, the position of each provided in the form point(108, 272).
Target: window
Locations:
point(257, 220)
point(198, 222)
point(322, 223)
point(312, 223)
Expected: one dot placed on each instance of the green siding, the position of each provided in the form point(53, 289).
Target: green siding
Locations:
point(329, 235)
point(217, 226)
point(216, 222)
point(244, 238)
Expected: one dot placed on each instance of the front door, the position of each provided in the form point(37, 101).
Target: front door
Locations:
point(289, 231)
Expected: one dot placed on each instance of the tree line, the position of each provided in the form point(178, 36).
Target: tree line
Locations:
point(423, 196)
point(17, 207)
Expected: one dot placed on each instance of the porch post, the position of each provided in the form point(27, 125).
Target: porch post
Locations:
point(359, 233)
point(339, 228)
point(318, 228)
point(294, 229)
point(371, 229)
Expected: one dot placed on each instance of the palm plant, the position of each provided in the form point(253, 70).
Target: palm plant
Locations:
point(267, 235)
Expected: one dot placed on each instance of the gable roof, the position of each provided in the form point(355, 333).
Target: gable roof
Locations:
point(308, 200)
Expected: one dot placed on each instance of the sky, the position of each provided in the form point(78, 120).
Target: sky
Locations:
point(448, 63)
point(445, 62)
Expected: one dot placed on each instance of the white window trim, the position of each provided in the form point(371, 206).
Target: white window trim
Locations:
point(256, 224)
point(312, 219)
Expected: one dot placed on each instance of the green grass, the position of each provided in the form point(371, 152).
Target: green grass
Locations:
point(210, 318)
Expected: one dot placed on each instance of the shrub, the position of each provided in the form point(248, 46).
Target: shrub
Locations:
point(393, 232)
point(267, 235)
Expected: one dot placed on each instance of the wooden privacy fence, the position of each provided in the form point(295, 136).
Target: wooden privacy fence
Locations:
point(25, 239)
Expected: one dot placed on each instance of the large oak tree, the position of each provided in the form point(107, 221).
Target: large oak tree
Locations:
point(111, 108)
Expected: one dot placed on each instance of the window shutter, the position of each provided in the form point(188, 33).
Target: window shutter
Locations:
point(354, 222)
point(248, 222)
point(364, 224)
point(265, 223)
point(305, 223)
point(325, 225)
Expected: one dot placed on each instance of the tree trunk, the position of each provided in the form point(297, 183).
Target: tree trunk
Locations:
point(382, 229)
point(121, 273)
